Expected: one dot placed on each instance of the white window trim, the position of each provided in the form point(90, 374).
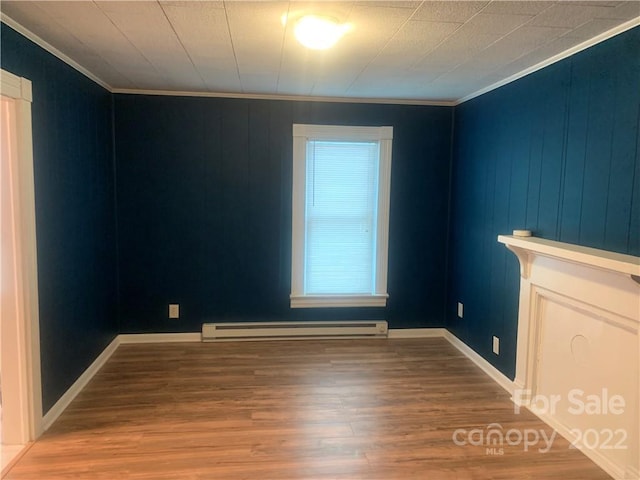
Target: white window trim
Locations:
point(301, 133)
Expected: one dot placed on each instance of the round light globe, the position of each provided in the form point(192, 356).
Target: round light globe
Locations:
point(318, 33)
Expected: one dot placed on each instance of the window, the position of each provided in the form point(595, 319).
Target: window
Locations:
point(341, 181)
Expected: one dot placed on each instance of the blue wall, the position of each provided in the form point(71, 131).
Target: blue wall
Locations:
point(204, 209)
point(204, 200)
point(556, 153)
point(75, 215)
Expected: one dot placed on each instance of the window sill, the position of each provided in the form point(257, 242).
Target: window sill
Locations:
point(320, 301)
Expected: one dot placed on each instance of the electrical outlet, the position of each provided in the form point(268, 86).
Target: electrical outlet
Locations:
point(174, 310)
point(496, 345)
point(460, 310)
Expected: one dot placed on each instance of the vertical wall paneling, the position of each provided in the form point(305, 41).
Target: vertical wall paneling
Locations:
point(555, 152)
point(202, 196)
point(75, 216)
point(231, 259)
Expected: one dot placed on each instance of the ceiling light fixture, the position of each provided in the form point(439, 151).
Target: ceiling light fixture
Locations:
point(319, 33)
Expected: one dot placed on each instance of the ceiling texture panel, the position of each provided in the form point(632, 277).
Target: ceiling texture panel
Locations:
point(458, 12)
point(568, 15)
point(412, 42)
point(408, 51)
point(92, 30)
point(147, 27)
point(517, 7)
point(202, 29)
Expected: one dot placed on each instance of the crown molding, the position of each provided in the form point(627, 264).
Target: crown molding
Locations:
point(52, 50)
point(296, 98)
point(556, 58)
point(299, 98)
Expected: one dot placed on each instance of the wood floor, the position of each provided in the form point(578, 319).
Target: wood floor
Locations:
point(329, 409)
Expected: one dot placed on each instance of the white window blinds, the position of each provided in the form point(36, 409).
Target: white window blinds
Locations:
point(341, 216)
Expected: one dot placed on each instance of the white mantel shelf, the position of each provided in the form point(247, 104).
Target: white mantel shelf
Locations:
point(616, 262)
point(579, 332)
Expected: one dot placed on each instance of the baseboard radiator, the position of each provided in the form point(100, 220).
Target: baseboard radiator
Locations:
point(218, 332)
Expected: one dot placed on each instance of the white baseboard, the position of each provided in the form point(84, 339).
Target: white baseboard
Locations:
point(467, 351)
point(73, 391)
point(616, 471)
point(64, 401)
point(416, 332)
point(128, 338)
point(122, 339)
point(495, 374)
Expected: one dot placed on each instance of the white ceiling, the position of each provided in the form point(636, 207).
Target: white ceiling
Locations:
point(397, 50)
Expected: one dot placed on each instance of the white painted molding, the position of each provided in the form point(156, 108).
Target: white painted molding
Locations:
point(25, 319)
point(320, 301)
point(15, 87)
point(384, 200)
point(579, 331)
point(302, 135)
point(594, 455)
point(52, 50)
point(293, 98)
point(65, 400)
point(495, 374)
point(141, 338)
point(73, 391)
point(602, 259)
point(132, 338)
point(417, 332)
point(342, 132)
point(556, 58)
point(255, 96)
point(485, 366)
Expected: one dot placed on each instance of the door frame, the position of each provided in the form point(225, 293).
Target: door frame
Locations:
point(22, 347)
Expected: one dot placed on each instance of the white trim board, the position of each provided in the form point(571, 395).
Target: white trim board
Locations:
point(446, 103)
point(556, 58)
point(21, 332)
point(293, 98)
point(468, 352)
point(136, 338)
point(52, 50)
point(140, 338)
point(594, 454)
point(82, 381)
point(65, 400)
point(568, 293)
point(376, 186)
point(495, 374)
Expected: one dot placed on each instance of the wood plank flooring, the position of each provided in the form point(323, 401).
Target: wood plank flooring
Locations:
point(323, 409)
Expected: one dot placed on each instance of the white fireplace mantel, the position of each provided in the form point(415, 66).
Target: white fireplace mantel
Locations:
point(525, 247)
point(578, 340)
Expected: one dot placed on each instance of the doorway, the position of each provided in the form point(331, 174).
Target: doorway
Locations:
point(20, 389)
